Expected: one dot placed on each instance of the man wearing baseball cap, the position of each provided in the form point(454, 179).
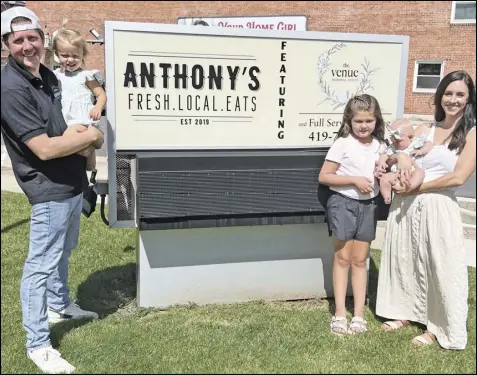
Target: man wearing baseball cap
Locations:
point(50, 167)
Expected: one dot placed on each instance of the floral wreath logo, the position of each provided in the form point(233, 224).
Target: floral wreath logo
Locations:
point(339, 99)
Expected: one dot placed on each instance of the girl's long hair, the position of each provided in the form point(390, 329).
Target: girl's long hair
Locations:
point(357, 104)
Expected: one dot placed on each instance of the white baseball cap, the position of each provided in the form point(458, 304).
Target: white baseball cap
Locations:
point(18, 11)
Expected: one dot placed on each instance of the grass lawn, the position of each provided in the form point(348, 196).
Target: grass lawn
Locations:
point(258, 337)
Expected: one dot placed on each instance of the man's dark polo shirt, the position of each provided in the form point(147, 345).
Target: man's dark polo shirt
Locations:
point(30, 107)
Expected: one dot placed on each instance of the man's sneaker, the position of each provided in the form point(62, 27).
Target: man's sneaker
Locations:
point(49, 361)
point(73, 311)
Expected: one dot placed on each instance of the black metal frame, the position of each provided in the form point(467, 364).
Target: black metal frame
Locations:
point(157, 175)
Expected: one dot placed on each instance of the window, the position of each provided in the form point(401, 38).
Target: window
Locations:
point(463, 12)
point(427, 75)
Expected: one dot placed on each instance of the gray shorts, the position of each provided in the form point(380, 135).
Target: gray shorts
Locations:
point(351, 219)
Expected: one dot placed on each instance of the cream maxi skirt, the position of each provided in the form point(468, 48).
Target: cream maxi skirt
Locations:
point(423, 274)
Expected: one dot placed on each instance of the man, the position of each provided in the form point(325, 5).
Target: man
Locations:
point(50, 166)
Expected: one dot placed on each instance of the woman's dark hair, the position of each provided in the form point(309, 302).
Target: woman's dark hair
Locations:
point(467, 121)
point(360, 103)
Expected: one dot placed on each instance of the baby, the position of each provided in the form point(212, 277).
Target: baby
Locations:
point(403, 140)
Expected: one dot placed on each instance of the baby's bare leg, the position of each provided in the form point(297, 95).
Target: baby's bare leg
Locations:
point(386, 183)
point(417, 178)
point(75, 129)
point(91, 161)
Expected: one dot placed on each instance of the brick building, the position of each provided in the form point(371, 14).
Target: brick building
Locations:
point(442, 33)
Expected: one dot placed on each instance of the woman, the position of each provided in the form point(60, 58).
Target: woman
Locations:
point(423, 274)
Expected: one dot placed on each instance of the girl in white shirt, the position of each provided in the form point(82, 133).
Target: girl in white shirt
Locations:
point(352, 208)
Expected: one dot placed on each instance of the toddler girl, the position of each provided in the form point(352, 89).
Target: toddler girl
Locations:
point(79, 86)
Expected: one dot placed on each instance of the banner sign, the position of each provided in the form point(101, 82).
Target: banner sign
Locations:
point(277, 23)
point(178, 89)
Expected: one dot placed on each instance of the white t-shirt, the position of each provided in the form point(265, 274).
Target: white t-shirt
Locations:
point(355, 159)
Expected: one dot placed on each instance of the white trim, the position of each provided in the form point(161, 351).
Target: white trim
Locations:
point(303, 35)
point(110, 128)
point(416, 66)
point(453, 20)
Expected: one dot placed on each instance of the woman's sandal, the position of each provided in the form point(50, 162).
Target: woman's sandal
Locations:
point(427, 338)
point(392, 325)
point(357, 325)
point(339, 325)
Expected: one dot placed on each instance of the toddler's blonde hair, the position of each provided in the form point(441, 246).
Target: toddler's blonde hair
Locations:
point(69, 36)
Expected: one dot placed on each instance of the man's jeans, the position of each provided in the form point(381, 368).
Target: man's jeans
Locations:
point(54, 232)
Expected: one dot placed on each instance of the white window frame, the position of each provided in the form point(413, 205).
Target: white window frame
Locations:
point(416, 66)
point(453, 20)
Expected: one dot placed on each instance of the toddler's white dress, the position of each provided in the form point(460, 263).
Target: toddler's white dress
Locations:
point(76, 98)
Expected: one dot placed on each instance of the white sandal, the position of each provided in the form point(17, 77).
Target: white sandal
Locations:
point(427, 338)
point(339, 325)
point(357, 325)
point(392, 325)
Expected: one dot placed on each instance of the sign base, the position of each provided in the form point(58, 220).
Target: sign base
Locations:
point(234, 264)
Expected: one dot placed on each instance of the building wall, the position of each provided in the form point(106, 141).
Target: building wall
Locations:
point(432, 36)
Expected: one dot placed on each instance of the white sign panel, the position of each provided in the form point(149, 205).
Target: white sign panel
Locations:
point(178, 89)
point(277, 23)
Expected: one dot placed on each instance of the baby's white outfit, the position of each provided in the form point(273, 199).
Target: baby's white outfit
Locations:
point(76, 98)
point(417, 143)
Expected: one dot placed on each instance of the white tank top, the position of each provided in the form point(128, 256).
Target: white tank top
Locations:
point(439, 161)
